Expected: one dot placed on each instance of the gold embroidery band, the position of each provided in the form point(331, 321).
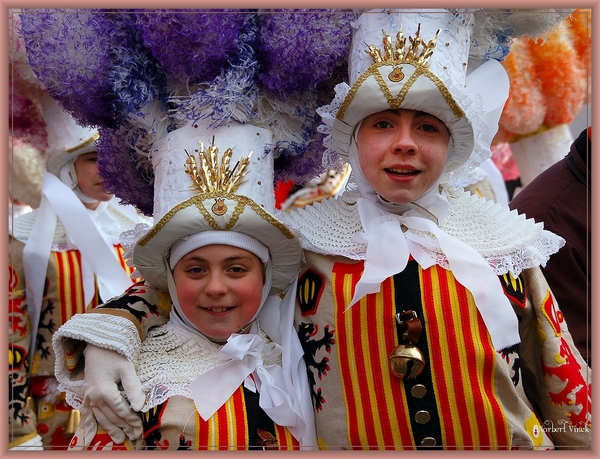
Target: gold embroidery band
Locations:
point(198, 201)
point(84, 144)
point(396, 102)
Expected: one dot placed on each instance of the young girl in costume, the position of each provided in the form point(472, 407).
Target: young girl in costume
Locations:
point(225, 371)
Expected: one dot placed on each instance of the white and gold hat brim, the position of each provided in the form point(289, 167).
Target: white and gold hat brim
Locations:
point(216, 211)
point(67, 139)
point(418, 89)
point(58, 158)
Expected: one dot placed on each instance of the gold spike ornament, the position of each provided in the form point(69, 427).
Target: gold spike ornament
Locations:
point(417, 53)
point(208, 176)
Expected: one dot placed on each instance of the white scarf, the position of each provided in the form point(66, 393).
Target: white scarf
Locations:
point(98, 256)
point(383, 224)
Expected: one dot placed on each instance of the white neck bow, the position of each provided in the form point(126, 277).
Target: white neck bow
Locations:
point(407, 235)
point(247, 354)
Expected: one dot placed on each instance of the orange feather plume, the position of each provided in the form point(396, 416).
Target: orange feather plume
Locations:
point(549, 79)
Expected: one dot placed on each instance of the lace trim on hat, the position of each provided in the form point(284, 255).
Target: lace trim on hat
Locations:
point(169, 361)
point(471, 104)
point(331, 159)
point(508, 241)
point(128, 240)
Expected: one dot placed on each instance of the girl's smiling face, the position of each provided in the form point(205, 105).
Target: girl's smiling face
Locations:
point(219, 288)
point(402, 153)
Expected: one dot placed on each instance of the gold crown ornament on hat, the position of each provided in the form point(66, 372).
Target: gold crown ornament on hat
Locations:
point(210, 177)
point(400, 53)
point(416, 54)
point(196, 158)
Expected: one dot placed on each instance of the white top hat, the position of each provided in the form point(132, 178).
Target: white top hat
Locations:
point(67, 140)
point(418, 59)
point(215, 179)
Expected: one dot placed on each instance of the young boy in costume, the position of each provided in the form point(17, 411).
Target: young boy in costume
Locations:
point(462, 343)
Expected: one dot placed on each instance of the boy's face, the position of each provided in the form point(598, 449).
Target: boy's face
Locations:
point(88, 177)
point(402, 153)
point(219, 288)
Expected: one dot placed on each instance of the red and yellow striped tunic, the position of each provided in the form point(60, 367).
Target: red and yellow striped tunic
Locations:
point(468, 396)
point(240, 424)
point(63, 297)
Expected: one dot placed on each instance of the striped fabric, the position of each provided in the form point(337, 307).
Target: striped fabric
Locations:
point(234, 426)
point(69, 282)
point(458, 373)
point(176, 425)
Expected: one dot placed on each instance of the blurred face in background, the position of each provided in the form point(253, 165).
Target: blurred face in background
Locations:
point(89, 180)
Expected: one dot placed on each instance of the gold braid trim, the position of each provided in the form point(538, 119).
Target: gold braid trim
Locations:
point(396, 102)
point(198, 201)
point(543, 128)
point(83, 144)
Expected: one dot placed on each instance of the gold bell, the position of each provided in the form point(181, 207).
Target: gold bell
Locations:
point(72, 422)
point(406, 361)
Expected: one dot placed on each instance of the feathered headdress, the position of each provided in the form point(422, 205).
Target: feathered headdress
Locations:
point(139, 74)
point(550, 79)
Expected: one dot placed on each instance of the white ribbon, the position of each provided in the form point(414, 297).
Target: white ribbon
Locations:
point(98, 256)
point(35, 264)
point(247, 353)
point(109, 227)
point(388, 251)
point(277, 320)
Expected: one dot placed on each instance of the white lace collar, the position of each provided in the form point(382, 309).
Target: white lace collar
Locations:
point(163, 377)
point(508, 241)
point(475, 240)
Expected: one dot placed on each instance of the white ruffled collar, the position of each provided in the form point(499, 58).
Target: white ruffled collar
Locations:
point(188, 358)
point(173, 361)
point(508, 241)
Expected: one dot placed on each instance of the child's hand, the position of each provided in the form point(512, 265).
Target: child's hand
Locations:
point(104, 370)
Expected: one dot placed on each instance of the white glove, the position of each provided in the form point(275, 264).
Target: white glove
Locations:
point(104, 369)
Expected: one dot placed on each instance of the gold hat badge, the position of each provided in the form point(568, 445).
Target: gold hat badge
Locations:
point(402, 54)
point(208, 176)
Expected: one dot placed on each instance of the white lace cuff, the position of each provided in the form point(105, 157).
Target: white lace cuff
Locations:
point(102, 330)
